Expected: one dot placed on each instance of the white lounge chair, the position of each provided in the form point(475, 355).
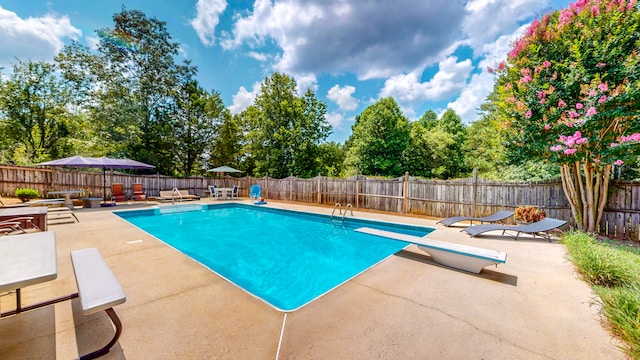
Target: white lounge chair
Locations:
point(458, 256)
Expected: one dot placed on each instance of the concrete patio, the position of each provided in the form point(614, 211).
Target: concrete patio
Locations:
point(407, 307)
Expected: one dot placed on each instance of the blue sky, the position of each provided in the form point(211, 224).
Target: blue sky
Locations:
point(428, 55)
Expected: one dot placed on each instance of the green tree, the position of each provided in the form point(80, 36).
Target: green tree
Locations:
point(34, 114)
point(227, 146)
point(571, 87)
point(379, 137)
point(198, 115)
point(285, 130)
point(331, 157)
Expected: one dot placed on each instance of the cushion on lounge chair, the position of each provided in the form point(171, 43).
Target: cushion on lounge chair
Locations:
point(499, 216)
point(540, 228)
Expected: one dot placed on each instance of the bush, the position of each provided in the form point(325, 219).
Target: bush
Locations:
point(26, 194)
point(529, 214)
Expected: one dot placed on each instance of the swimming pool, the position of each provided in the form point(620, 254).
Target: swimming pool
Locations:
point(283, 257)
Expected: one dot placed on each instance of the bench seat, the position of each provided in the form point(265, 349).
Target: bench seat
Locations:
point(98, 290)
point(463, 257)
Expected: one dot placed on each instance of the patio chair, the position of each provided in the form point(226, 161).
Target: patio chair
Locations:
point(254, 192)
point(138, 193)
point(540, 228)
point(497, 217)
point(117, 192)
point(234, 193)
point(212, 191)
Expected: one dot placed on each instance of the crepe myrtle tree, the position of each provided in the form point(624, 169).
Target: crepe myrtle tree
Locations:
point(569, 93)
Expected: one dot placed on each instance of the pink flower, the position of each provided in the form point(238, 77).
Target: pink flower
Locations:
point(528, 114)
point(593, 93)
point(543, 101)
point(596, 11)
point(579, 106)
point(612, 145)
point(556, 148)
point(601, 65)
point(547, 126)
point(562, 104)
point(602, 99)
point(592, 111)
point(508, 86)
point(570, 151)
point(603, 87)
point(570, 125)
point(490, 69)
point(573, 114)
point(582, 141)
point(525, 79)
point(596, 160)
point(501, 65)
point(618, 162)
point(525, 71)
point(546, 64)
point(541, 94)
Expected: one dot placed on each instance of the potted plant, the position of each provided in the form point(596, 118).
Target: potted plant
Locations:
point(528, 214)
point(26, 194)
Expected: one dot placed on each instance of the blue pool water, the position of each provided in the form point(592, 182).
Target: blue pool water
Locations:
point(285, 258)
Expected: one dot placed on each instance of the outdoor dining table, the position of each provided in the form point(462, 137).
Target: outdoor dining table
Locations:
point(25, 260)
point(224, 192)
point(67, 196)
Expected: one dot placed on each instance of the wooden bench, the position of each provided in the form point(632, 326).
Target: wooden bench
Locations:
point(463, 257)
point(98, 289)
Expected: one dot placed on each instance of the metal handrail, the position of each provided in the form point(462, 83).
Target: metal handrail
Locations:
point(337, 205)
point(349, 206)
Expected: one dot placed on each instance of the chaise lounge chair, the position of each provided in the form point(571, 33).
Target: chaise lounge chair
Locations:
point(499, 216)
point(540, 228)
point(117, 193)
point(458, 256)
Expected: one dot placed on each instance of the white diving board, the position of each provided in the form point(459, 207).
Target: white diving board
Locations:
point(463, 257)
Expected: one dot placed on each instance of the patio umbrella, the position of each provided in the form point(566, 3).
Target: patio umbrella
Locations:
point(224, 169)
point(101, 162)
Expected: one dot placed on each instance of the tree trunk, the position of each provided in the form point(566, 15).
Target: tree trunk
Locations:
point(586, 186)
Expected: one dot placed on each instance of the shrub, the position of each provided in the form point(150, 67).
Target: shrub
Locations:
point(26, 194)
point(529, 214)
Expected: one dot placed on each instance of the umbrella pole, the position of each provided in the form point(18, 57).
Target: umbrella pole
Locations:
point(104, 185)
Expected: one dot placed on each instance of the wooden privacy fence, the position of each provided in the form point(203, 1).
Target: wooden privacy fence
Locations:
point(405, 195)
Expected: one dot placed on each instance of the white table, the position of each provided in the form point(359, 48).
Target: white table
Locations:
point(25, 260)
point(67, 196)
point(224, 192)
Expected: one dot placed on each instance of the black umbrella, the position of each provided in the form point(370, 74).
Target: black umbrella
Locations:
point(101, 162)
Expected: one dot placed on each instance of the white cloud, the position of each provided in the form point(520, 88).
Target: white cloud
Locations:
point(304, 82)
point(371, 39)
point(481, 84)
point(407, 88)
point(342, 97)
point(207, 18)
point(258, 56)
point(244, 98)
point(335, 119)
point(488, 19)
point(33, 38)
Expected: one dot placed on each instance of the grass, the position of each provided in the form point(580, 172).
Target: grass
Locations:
point(613, 271)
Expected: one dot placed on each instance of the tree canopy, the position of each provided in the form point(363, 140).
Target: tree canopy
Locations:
point(569, 93)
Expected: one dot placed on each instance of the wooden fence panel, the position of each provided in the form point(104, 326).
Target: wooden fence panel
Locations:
point(435, 198)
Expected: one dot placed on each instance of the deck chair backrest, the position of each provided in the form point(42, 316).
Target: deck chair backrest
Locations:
point(137, 189)
point(117, 189)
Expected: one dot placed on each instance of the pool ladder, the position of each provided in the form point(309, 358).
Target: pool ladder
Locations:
point(174, 191)
point(339, 207)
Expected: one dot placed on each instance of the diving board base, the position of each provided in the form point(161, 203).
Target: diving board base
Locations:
point(457, 256)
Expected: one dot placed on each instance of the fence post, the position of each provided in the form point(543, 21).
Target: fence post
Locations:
point(475, 192)
point(319, 187)
point(290, 187)
point(357, 191)
point(405, 193)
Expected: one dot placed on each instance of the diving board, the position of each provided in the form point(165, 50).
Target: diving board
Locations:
point(463, 257)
